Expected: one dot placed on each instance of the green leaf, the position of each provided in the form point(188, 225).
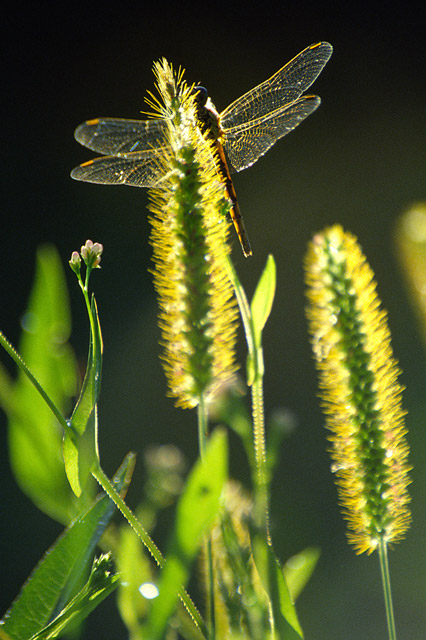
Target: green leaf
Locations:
point(260, 309)
point(284, 614)
point(35, 437)
point(299, 568)
point(197, 508)
point(62, 569)
point(100, 584)
point(81, 451)
point(263, 299)
point(90, 390)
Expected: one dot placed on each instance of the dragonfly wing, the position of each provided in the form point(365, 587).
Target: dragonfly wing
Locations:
point(117, 135)
point(245, 144)
point(138, 169)
point(285, 86)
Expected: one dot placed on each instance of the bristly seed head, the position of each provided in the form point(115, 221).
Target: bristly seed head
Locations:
point(360, 393)
point(190, 248)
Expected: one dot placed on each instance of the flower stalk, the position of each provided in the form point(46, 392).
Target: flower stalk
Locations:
point(361, 396)
point(190, 249)
point(255, 375)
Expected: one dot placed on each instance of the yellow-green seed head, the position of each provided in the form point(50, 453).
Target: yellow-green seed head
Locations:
point(190, 248)
point(360, 393)
point(411, 247)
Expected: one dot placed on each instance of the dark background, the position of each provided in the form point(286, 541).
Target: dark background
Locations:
point(359, 160)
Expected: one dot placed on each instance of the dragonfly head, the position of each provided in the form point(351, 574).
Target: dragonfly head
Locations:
point(201, 95)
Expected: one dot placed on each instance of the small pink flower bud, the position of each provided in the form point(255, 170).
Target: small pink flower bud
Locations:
point(91, 253)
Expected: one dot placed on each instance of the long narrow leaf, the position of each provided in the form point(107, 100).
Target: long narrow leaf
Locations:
point(89, 394)
point(254, 323)
point(100, 584)
point(299, 568)
point(263, 298)
point(61, 570)
point(285, 622)
point(81, 451)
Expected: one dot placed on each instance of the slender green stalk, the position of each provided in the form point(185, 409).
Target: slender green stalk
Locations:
point(24, 368)
point(384, 570)
point(243, 305)
point(110, 490)
point(262, 498)
point(202, 441)
point(202, 425)
point(210, 576)
point(85, 290)
point(255, 357)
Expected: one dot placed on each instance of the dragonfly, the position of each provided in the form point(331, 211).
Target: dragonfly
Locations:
point(241, 134)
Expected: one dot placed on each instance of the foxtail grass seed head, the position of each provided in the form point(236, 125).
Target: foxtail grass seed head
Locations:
point(410, 236)
point(198, 315)
point(359, 389)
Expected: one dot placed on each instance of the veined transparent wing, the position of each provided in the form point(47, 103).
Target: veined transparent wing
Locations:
point(251, 125)
point(254, 122)
point(285, 86)
point(133, 151)
point(117, 135)
point(246, 143)
point(137, 169)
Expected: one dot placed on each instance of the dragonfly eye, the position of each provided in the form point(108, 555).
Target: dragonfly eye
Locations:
point(200, 94)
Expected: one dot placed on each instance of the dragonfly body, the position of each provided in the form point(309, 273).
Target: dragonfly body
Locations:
point(209, 122)
point(242, 133)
